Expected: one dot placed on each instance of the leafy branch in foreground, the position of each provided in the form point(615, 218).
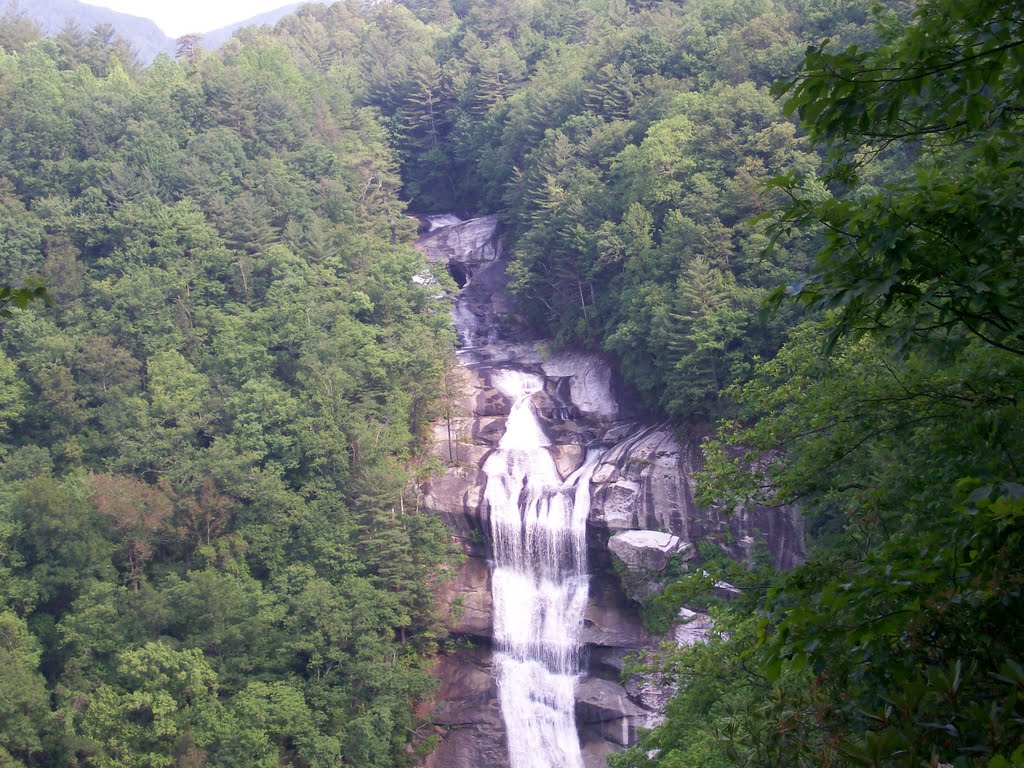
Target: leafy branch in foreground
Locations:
point(21, 296)
point(921, 221)
point(896, 645)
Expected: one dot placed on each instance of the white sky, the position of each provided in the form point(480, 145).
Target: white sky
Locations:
point(180, 17)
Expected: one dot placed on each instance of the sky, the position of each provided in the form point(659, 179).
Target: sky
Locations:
point(180, 17)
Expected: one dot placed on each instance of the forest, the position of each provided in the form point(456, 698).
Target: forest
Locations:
point(793, 223)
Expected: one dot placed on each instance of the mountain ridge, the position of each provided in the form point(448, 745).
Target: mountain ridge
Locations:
point(143, 33)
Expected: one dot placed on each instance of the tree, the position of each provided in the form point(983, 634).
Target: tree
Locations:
point(16, 29)
point(12, 395)
point(232, 619)
point(177, 393)
point(235, 336)
point(907, 472)
point(706, 324)
point(189, 48)
point(139, 512)
point(613, 92)
point(895, 645)
point(24, 706)
point(166, 708)
point(62, 540)
point(934, 247)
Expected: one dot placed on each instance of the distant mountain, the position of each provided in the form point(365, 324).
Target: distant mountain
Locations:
point(217, 37)
point(51, 15)
point(148, 39)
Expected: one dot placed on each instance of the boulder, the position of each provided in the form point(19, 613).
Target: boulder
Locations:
point(568, 458)
point(611, 619)
point(472, 746)
point(608, 662)
point(590, 382)
point(605, 709)
point(490, 402)
point(453, 443)
point(693, 627)
point(487, 430)
point(458, 492)
point(468, 694)
point(648, 550)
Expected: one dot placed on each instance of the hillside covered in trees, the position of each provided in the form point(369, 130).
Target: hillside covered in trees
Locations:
point(210, 547)
point(205, 560)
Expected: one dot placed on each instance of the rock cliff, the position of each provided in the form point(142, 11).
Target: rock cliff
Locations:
point(642, 511)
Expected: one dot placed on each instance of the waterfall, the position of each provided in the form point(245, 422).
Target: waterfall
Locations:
point(442, 220)
point(539, 582)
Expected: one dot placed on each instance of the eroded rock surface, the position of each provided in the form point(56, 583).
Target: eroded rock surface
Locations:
point(646, 482)
point(467, 715)
point(467, 246)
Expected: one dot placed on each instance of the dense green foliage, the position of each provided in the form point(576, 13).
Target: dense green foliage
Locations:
point(210, 552)
point(626, 146)
point(898, 643)
point(936, 245)
point(630, 149)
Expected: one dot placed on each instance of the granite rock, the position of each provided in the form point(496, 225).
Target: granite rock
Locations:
point(648, 550)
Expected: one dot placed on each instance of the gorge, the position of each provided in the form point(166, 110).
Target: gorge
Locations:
point(240, 460)
point(570, 504)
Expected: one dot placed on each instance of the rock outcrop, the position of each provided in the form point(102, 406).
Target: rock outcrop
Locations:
point(467, 715)
point(648, 550)
point(643, 560)
point(643, 515)
point(464, 248)
point(646, 482)
point(606, 711)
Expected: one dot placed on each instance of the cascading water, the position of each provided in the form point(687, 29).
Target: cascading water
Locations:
point(539, 580)
point(442, 220)
point(539, 583)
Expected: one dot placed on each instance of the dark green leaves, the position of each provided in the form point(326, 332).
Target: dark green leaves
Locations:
point(21, 296)
point(922, 229)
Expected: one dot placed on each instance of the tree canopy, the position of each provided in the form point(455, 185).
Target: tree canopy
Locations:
point(211, 551)
point(194, 430)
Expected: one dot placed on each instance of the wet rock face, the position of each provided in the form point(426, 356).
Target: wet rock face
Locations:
point(611, 620)
point(473, 254)
point(466, 599)
point(468, 246)
point(467, 715)
point(609, 707)
point(643, 515)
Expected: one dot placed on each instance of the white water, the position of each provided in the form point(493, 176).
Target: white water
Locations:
point(442, 220)
point(539, 583)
